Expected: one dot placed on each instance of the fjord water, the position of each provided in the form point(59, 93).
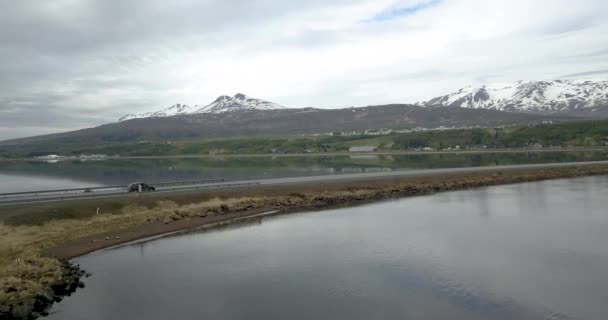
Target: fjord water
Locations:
point(39, 175)
point(523, 251)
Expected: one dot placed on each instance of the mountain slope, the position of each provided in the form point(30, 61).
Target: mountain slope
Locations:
point(285, 122)
point(565, 97)
point(173, 110)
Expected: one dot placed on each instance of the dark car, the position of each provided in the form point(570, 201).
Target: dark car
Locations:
point(140, 187)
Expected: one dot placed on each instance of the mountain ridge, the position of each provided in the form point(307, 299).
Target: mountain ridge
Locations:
point(173, 110)
point(222, 104)
point(584, 98)
point(565, 97)
point(238, 102)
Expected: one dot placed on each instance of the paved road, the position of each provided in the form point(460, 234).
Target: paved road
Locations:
point(279, 181)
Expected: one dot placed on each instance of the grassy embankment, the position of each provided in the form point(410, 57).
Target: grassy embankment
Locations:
point(572, 134)
point(26, 268)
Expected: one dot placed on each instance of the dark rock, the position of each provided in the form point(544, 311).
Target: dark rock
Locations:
point(72, 287)
point(58, 289)
point(41, 304)
point(22, 310)
point(47, 295)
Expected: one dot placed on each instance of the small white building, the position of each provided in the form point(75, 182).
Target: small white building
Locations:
point(49, 157)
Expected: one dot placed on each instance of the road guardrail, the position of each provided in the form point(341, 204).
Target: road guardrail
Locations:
point(81, 195)
point(89, 190)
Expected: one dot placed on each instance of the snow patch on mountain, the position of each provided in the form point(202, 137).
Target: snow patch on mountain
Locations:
point(558, 96)
point(222, 104)
point(173, 110)
point(236, 103)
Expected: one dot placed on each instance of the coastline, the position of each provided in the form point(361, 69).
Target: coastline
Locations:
point(285, 200)
point(141, 223)
point(341, 154)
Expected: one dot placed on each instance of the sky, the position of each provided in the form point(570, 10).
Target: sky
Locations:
point(70, 64)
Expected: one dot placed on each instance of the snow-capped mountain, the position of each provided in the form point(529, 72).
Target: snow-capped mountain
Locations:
point(236, 103)
point(220, 105)
point(173, 110)
point(558, 97)
point(573, 97)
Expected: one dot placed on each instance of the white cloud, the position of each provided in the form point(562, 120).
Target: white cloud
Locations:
point(114, 57)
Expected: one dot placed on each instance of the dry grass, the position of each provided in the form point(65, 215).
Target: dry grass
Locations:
point(24, 268)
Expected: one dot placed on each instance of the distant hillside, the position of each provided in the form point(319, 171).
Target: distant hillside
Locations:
point(256, 122)
point(570, 134)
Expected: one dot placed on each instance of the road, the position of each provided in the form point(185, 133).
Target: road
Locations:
point(293, 180)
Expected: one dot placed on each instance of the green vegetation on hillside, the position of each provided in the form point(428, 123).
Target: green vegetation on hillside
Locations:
point(573, 134)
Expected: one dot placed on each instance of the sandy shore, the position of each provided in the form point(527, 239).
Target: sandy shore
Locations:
point(309, 196)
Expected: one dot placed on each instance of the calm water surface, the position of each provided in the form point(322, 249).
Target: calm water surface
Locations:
point(17, 176)
point(525, 251)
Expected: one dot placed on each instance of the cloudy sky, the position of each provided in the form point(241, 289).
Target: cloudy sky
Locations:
point(68, 64)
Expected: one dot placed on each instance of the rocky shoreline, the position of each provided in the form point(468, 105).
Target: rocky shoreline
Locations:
point(40, 305)
point(285, 199)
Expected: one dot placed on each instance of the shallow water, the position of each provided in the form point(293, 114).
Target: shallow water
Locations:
point(524, 251)
point(17, 176)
